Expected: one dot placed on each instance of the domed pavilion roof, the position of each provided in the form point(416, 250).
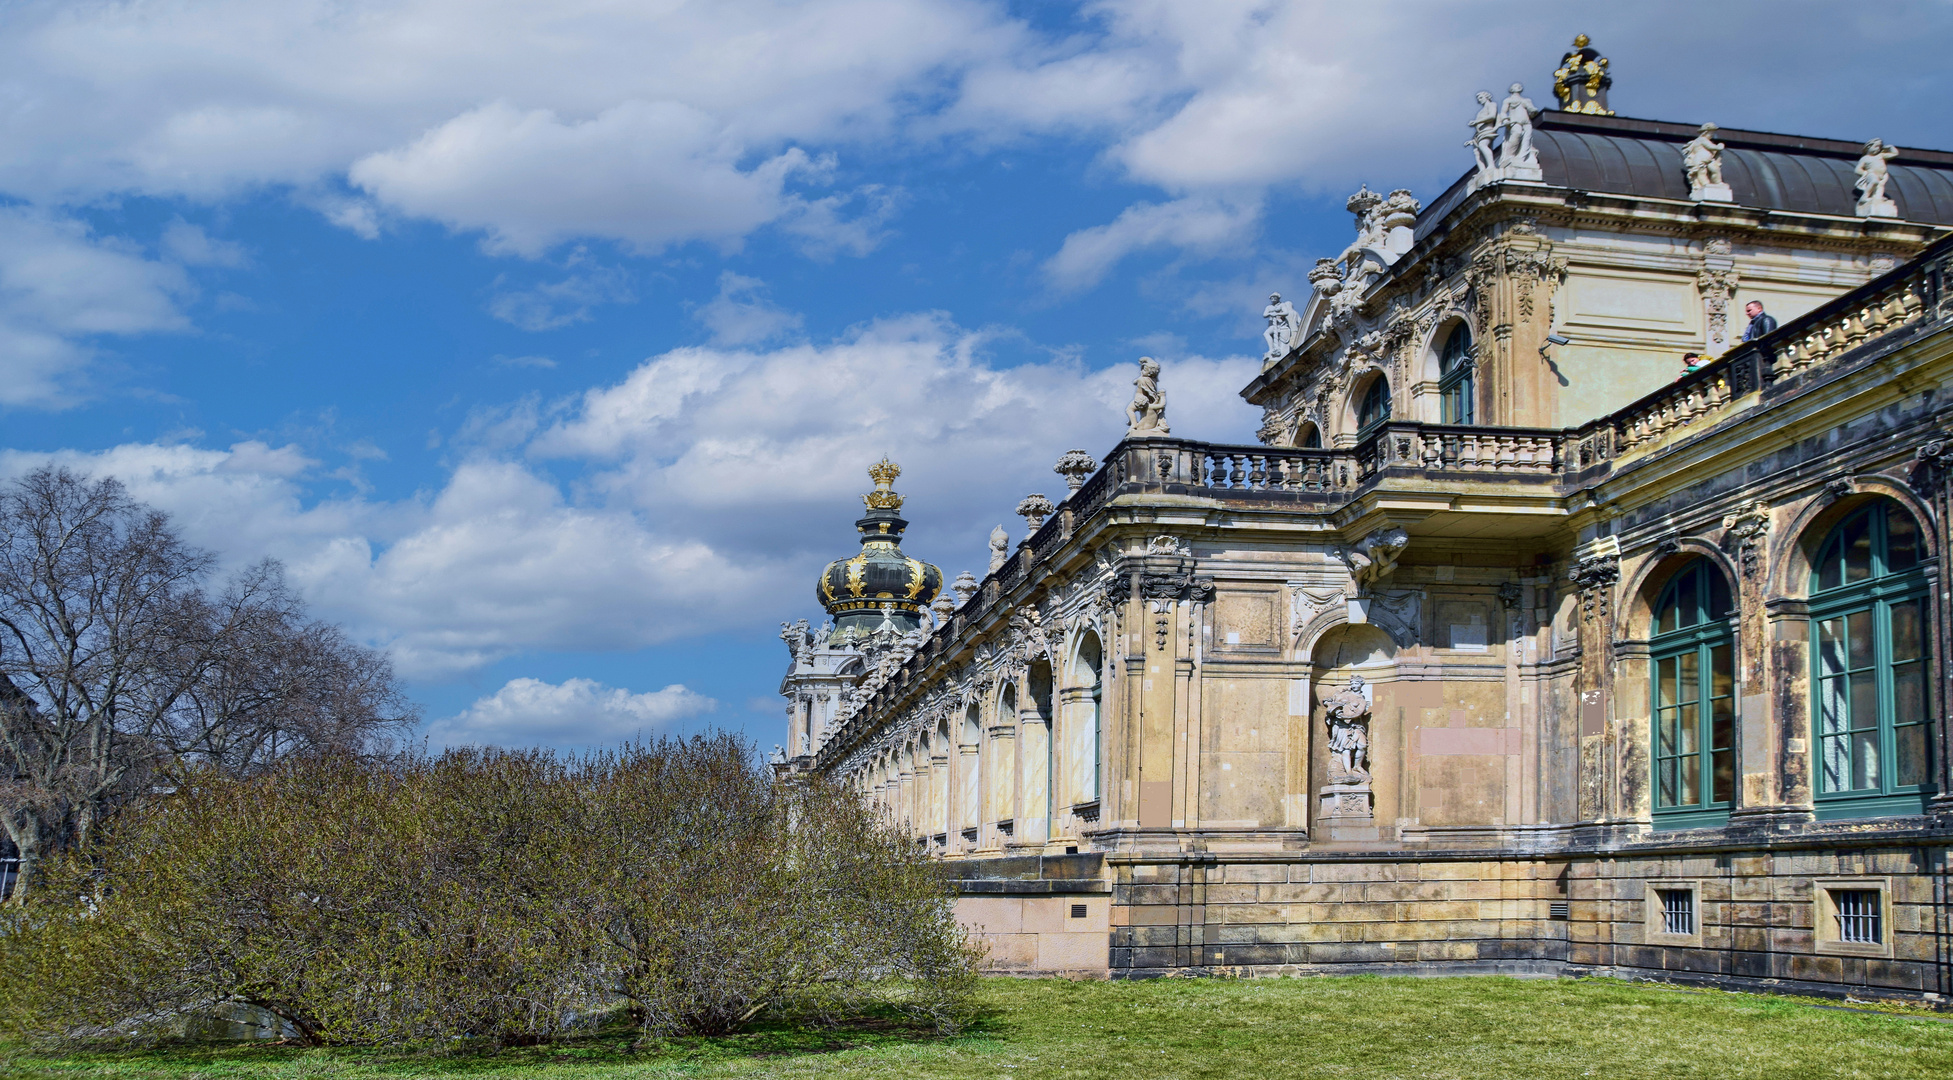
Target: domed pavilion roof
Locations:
point(878, 583)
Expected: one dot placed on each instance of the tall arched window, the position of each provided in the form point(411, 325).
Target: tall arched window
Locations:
point(1455, 382)
point(1869, 634)
point(1375, 408)
point(1308, 436)
point(1692, 652)
point(1088, 673)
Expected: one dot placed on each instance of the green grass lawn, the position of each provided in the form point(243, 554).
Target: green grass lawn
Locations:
point(1261, 1029)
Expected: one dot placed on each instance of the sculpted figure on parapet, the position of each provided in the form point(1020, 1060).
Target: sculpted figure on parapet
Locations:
point(1485, 129)
point(1284, 323)
point(1516, 114)
point(1147, 413)
point(1873, 175)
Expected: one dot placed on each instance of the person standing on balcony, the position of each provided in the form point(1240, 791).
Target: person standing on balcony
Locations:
point(1760, 322)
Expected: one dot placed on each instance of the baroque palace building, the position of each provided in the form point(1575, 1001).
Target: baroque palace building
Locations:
point(1504, 648)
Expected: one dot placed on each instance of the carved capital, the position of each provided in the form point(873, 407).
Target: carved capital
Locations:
point(1595, 577)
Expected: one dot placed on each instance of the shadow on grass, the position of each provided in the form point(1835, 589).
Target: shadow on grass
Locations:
point(615, 1044)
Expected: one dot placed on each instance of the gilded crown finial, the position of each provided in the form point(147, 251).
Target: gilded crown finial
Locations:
point(1581, 41)
point(883, 473)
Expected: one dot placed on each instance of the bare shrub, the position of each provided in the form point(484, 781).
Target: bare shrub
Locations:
point(490, 894)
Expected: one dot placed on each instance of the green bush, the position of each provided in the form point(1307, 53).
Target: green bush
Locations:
point(499, 895)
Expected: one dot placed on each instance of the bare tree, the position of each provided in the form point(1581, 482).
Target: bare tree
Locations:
point(118, 665)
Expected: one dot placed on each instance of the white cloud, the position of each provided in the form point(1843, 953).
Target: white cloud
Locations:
point(189, 245)
point(1198, 223)
point(576, 712)
point(645, 124)
point(552, 305)
point(742, 315)
point(61, 287)
point(648, 173)
point(702, 492)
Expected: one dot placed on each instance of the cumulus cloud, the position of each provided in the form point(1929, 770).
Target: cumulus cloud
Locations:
point(742, 315)
point(576, 712)
point(699, 494)
point(645, 124)
point(1198, 224)
point(62, 288)
point(648, 173)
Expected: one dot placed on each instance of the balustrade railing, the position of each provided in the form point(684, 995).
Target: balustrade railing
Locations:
point(1900, 299)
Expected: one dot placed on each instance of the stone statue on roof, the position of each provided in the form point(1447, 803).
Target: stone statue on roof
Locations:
point(1516, 153)
point(1702, 160)
point(1485, 130)
point(1147, 413)
point(1872, 178)
point(1284, 325)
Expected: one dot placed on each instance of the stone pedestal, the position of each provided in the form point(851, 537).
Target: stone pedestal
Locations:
point(1879, 207)
point(1712, 193)
point(1349, 799)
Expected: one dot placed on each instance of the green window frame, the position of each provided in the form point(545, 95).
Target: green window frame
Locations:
point(1871, 646)
point(1692, 661)
point(1310, 437)
point(1457, 385)
point(1375, 408)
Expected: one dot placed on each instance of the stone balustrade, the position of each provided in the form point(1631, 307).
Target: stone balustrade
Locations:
point(1837, 328)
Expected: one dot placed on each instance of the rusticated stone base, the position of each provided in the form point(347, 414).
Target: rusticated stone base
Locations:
point(1758, 922)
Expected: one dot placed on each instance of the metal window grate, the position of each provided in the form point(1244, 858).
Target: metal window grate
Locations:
point(1556, 909)
point(1858, 915)
point(1078, 911)
point(1677, 911)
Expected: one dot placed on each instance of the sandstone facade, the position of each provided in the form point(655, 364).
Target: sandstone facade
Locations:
point(1648, 673)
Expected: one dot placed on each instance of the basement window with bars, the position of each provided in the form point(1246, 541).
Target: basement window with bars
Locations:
point(1853, 916)
point(1677, 911)
point(1858, 915)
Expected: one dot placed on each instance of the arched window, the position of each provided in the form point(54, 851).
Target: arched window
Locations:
point(1869, 634)
point(1375, 408)
point(1692, 653)
point(1089, 673)
point(1308, 436)
point(1455, 382)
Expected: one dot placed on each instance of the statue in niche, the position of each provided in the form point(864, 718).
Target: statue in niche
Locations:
point(1702, 160)
point(1348, 716)
point(1147, 413)
point(999, 549)
point(1516, 114)
point(1872, 178)
point(1284, 323)
point(1485, 128)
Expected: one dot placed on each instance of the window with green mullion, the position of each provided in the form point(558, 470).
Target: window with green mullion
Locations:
point(1692, 655)
point(1869, 632)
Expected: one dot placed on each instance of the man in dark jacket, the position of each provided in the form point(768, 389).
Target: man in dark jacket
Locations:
point(1760, 323)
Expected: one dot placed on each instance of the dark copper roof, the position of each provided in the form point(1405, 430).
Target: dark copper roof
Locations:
point(1776, 172)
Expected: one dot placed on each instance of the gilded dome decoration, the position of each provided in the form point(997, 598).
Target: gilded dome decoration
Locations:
point(879, 583)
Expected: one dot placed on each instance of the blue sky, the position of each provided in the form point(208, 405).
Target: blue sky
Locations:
point(548, 344)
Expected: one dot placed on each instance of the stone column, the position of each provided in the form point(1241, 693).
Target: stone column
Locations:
point(1159, 633)
point(1760, 741)
point(1596, 577)
point(1932, 474)
point(969, 799)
